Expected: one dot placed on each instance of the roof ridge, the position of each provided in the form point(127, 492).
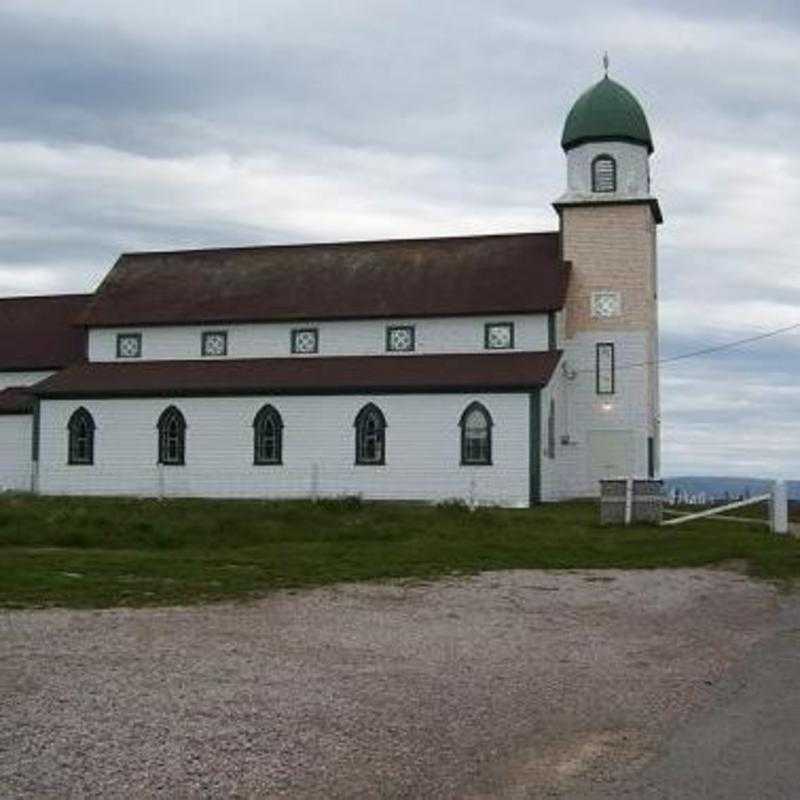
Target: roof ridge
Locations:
point(345, 243)
point(45, 296)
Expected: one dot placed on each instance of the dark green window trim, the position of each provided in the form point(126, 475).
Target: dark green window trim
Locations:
point(366, 437)
point(410, 329)
point(534, 448)
point(489, 325)
point(598, 348)
point(486, 459)
point(552, 331)
point(204, 339)
point(268, 414)
point(296, 332)
point(137, 336)
point(598, 184)
point(80, 446)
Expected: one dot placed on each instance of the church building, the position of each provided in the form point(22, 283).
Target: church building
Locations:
point(506, 369)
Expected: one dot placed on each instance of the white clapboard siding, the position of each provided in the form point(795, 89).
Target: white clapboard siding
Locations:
point(15, 378)
point(336, 338)
point(422, 449)
point(15, 452)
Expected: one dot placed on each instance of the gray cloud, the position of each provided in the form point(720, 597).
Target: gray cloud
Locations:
point(148, 125)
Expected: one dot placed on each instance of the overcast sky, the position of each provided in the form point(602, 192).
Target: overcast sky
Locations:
point(152, 125)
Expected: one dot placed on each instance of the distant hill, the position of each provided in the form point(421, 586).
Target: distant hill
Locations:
point(716, 487)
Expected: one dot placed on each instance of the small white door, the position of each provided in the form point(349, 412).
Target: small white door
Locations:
point(611, 455)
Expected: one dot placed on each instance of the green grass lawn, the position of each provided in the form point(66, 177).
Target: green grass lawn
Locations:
point(96, 553)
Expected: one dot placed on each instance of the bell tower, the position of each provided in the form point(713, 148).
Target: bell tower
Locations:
point(608, 222)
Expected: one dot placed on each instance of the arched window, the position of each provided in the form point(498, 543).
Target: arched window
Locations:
point(476, 435)
point(81, 437)
point(172, 437)
point(604, 174)
point(370, 428)
point(267, 437)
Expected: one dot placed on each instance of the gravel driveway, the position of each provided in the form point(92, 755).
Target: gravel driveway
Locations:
point(509, 685)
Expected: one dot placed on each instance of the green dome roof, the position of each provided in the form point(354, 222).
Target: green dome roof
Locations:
point(606, 112)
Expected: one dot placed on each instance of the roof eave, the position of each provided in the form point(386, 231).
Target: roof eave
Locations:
point(650, 201)
point(296, 392)
point(572, 143)
point(220, 320)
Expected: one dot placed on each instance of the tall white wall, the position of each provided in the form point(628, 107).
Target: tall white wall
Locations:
point(15, 452)
point(422, 449)
point(580, 410)
point(14, 378)
point(336, 338)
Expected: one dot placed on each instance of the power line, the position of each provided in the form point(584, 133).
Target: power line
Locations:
point(706, 350)
point(730, 345)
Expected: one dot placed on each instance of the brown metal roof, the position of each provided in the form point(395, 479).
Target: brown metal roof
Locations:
point(16, 400)
point(509, 273)
point(40, 332)
point(337, 375)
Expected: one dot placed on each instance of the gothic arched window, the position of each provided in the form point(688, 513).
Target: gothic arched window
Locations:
point(370, 428)
point(81, 437)
point(267, 436)
point(172, 438)
point(476, 435)
point(604, 174)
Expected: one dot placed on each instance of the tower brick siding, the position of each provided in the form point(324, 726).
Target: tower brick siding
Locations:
point(610, 248)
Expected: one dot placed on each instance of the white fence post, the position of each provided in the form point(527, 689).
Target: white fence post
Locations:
point(779, 508)
point(628, 500)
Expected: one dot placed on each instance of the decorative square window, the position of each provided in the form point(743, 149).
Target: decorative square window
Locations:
point(606, 304)
point(215, 343)
point(129, 345)
point(305, 340)
point(400, 338)
point(499, 336)
point(604, 377)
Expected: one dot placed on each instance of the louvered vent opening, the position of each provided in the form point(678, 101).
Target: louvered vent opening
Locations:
point(604, 175)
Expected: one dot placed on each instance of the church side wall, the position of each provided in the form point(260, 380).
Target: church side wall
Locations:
point(15, 452)
point(336, 337)
point(14, 378)
point(422, 449)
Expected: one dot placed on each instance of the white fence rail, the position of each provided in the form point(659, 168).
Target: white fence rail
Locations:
point(778, 509)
